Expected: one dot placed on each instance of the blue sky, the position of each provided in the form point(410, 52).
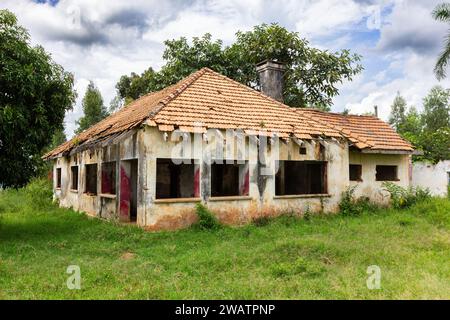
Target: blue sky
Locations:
point(102, 40)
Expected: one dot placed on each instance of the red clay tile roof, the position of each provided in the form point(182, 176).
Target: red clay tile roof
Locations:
point(362, 131)
point(210, 100)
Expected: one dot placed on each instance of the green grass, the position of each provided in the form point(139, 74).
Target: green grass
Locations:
point(287, 258)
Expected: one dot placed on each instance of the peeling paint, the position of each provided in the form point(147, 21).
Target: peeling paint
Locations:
point(257, 190)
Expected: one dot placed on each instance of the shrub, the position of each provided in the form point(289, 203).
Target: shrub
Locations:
point(405, 197)
point(206, 220)
point(39, 193)
point(349, 205)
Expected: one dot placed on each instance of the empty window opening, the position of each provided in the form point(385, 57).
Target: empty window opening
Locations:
point(355, 172)
point(58, 178)
point(74, 173)
point(91, 179)
point(109, 177)
point(175, 180)
point(302, 150)
point(386, 173)
point(229, 179)
point(301, 177)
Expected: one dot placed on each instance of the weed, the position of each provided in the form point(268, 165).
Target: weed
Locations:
point(39, 193)
point(349, 206)
point(405, 197)
point(206, 219)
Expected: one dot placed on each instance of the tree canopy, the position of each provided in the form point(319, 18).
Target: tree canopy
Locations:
point(93, 108)
point(311, 77)
point(398, 109)
point(35, 93)
point(428, 131)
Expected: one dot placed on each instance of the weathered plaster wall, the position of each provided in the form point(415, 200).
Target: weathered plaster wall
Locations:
point(336, 155)
point(168, 213)
point(371, 188)
point(100, 205)
point(434, 177)
point(149, 144)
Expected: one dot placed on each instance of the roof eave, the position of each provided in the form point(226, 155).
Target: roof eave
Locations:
point(388, 151)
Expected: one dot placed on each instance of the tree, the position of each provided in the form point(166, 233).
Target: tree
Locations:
point(435, 138)
point(398, 110)
point(428, 131)
point(93, 108)
point(115, 104)
point(442, 13)
point(436, 113)
point(35, 93)
point(311, 76)
point(411, 128)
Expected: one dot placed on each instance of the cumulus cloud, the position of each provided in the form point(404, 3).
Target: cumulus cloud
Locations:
point(411, 26)
point(102, 40)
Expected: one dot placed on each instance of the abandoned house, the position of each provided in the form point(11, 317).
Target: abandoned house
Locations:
point(240, 152)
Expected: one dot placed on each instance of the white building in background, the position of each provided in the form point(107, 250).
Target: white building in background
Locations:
point(435, 177)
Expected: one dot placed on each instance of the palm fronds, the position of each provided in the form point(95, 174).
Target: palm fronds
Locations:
point(442, 13)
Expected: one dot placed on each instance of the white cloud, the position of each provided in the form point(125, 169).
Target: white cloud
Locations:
point(408, 40)
point(111, 38)
point(320, 18)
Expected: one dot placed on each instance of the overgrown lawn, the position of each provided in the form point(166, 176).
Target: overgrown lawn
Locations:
point(288, 258)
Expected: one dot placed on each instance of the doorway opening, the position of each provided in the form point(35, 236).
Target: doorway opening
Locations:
point(128, 190)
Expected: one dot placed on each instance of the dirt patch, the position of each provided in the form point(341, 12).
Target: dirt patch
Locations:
point(128, 256)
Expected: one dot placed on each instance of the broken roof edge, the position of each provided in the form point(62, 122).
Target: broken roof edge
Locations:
point(362, 143)
point(179, 87)
point(317, 126)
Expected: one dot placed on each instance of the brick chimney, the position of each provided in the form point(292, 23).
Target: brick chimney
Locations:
point(271, 78)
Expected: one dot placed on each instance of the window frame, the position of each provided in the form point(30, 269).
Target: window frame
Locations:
point(169, 161)
point(386, 179)
point(359, 178)
point(72, 178)
point(112, 176)
point(238, 165)
point(86, 171)
point(324, 178)
point(58, 182)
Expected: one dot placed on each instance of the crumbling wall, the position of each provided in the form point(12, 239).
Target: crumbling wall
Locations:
point(256, 180)
point(260, 201)
point(435, 177)
point(99, 205)
point(368, 186)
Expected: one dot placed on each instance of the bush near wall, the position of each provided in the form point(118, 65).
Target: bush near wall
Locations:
point(406, 197)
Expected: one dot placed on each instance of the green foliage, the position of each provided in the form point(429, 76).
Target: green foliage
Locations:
point(428, 131)
point(93, 108)
point(37, 245)
point(35, 93)
point(405, 197)
point(206, 219)
point(350, 206)
point(442, 13)
point(311, 78)
point(398, 109)
point(436, 113)
point(39, 193)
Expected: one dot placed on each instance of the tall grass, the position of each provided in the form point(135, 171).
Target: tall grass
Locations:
point(323, 257)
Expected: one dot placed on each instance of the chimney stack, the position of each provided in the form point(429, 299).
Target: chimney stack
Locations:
point(376, 111)
point(271, 78)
